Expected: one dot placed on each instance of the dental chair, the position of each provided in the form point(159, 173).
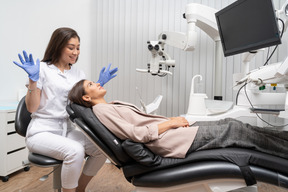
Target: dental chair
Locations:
point(22, 120)
point(217, 170)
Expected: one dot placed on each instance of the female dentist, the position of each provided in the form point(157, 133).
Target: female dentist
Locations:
point(50, 132)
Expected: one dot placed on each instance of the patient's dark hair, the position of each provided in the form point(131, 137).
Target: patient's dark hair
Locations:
point(76, 93)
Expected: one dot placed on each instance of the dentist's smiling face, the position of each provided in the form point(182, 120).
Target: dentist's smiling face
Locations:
point(71, 51)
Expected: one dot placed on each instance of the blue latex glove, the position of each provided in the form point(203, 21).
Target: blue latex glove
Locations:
point(29, 66)
point(106, 75)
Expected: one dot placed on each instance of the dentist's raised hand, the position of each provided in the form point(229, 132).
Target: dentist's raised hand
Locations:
point(31, 68)
point(106, 75)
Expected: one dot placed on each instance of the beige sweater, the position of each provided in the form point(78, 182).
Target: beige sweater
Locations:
point(127, 121)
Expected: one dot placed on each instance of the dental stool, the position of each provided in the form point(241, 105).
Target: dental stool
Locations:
point(22, 120)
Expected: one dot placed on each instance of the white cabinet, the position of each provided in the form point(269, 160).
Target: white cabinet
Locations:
point(13, 151)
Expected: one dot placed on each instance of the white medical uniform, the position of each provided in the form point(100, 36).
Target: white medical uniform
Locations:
point(50, 131)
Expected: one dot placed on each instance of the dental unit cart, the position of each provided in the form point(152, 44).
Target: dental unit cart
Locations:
point(13, 151)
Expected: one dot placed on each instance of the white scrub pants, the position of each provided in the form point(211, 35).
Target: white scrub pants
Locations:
point(72, 149)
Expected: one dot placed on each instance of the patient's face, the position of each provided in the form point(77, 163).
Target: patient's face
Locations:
point(94, 90)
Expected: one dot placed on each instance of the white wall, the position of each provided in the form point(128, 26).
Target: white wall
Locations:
point(28, 25)
point(122, 29)
point(116, 32)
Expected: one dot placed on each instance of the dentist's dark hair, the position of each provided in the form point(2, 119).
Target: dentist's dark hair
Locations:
point(76, 93)
point(58, 41)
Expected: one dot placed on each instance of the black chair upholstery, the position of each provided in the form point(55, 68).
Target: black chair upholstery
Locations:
point(144, 169)
point(22, 120)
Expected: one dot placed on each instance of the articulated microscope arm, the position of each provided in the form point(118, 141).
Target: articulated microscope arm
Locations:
point(196, 15)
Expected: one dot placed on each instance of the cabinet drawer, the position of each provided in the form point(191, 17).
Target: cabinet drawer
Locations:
point(15, 160)
point(10, 127)
point(11, 116)
point(15, 141)
point(10, 122)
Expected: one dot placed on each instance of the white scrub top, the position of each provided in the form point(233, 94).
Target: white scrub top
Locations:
point(55, 87)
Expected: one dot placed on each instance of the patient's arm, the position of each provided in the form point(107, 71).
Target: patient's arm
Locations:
point(173, 123)
point(122, 128)
point(141, 132)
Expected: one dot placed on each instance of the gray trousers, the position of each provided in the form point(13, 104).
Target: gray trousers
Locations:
point(233, 133)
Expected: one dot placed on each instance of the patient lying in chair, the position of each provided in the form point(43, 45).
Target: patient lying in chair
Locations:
point(175, 137)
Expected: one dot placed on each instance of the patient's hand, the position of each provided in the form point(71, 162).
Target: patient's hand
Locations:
point(179, 122)
point(173, 123)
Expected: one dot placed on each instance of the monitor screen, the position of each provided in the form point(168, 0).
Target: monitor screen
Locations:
point(247, 25)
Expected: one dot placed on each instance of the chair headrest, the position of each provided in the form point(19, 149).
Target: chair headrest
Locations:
point(108, 138)
point(71, 113)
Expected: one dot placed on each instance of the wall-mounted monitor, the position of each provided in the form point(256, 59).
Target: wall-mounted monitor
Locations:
point(247, 25)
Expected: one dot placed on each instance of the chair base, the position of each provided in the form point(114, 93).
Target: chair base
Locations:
point(57, 178)
point(212, 185)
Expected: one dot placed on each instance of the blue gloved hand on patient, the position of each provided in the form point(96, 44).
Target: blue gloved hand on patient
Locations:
point(29, 66)
point(106, 75)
